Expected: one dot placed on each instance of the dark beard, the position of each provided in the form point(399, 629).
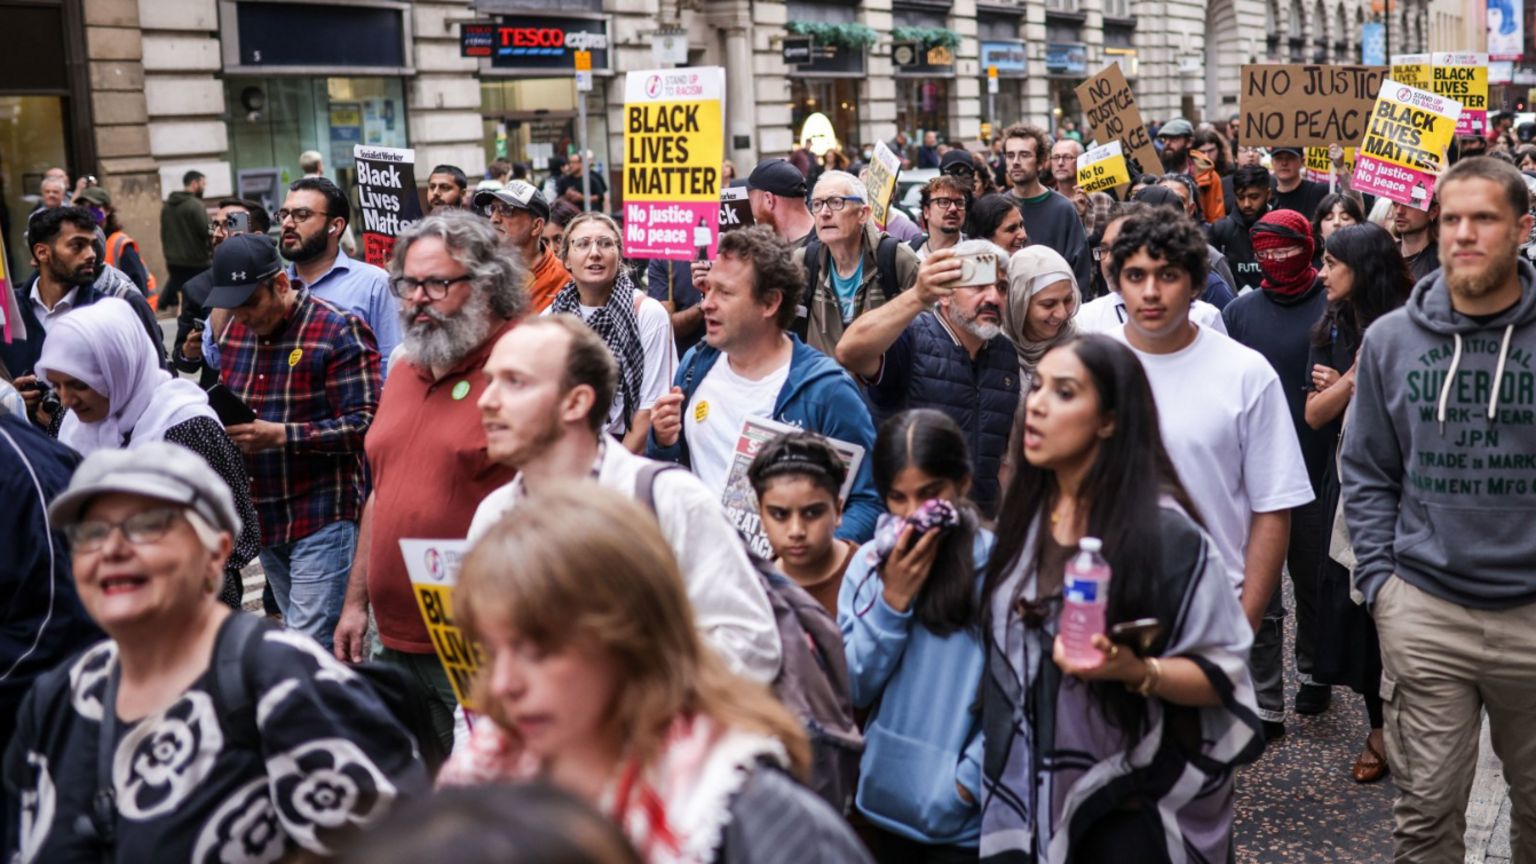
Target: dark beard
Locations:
point(77, 276)
point(1175, 163)
point(309, 248)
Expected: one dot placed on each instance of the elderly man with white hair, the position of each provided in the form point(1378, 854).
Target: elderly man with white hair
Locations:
point(851, 266)
point(941, 345)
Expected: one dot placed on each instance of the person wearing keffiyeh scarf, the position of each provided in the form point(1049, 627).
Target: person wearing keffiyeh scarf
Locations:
point(603, 295)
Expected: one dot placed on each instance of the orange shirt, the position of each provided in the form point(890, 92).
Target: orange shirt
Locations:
point(549, 276)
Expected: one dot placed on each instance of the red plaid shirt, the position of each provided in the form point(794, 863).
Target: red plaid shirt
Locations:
point(319, 377)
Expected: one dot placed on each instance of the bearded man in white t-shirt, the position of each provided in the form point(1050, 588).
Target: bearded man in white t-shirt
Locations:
point(1225, 423)
point(749, 365)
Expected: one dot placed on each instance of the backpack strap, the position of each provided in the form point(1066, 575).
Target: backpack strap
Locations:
point(918, 243)
point(645, 482)
point(802, 326)
point(885, 259)
point(233, 654)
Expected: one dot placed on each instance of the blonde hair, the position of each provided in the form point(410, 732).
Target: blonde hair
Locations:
point(590, 216)
point(584, 567)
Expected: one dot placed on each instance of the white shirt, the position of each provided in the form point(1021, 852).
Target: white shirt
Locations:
point(1227, 428)
point(1107, 313)
point(923, 251)
point(660, 351)
point(713, 420)
point(46, 316)
point(730, 607)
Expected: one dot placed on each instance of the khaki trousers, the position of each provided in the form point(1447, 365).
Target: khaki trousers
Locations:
point(1442, 665)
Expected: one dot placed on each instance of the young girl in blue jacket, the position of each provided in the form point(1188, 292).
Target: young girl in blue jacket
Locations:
point(908, 611)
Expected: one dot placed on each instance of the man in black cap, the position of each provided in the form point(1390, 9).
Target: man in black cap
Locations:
point(519, 213)
point(958, 164)
point(310, 374)
point(1292, 190)
point(777, 190)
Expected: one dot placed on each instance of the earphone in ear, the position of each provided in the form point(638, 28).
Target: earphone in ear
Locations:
point(332, 231)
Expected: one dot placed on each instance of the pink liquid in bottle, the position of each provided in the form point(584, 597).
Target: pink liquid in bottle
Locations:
point(1086, 593)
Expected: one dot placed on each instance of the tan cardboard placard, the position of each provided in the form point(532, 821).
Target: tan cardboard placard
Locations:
point(1113, 116)
point(1307, 105)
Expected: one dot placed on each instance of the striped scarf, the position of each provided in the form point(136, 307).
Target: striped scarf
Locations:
point(615, 323)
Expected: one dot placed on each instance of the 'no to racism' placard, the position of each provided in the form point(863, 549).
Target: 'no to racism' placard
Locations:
point(1111, 109)
point(386, 189)
point(1404, 148)
point(1102, 168)
point(674, 146)
point(1304, 105)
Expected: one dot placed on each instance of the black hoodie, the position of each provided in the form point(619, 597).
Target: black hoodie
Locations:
point(1230, 235)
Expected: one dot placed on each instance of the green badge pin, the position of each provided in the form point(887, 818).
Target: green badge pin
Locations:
point(460, 390)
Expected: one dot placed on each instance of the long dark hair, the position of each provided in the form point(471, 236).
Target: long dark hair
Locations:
point(1325, 206)
point(931, 442)
point(1121, 491)
point(1379, 280)
point(987, 213)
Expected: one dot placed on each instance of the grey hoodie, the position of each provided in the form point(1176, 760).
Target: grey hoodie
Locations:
point(1439, 467)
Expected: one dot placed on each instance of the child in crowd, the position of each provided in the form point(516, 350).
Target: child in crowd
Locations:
point(798, 477)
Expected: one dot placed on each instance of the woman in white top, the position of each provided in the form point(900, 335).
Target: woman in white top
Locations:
point(636, 328)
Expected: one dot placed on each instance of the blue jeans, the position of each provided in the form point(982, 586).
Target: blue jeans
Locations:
point(309, 579)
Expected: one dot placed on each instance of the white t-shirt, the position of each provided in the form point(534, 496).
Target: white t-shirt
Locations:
point(1103, 314)
point(1228, 430)
point(712, 422)
point(660, 358)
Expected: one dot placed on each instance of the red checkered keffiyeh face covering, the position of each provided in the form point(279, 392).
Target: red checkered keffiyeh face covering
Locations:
point(1282, 244)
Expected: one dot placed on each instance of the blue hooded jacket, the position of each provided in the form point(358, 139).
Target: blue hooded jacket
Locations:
point(818, 396)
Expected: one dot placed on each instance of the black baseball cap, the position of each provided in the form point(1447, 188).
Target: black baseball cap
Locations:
point(957, 159)
point(1294, 151)
point(779, 177)
point(515, 193)
point(241, 263)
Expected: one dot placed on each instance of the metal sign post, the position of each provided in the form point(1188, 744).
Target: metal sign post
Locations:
point(583, 87)
point(992, 97)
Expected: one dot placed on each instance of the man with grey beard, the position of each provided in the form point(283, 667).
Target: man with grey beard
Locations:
point(941, 346)
point(458, 292)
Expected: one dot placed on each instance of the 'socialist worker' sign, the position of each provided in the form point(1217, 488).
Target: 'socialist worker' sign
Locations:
point(674, 146)
point(1308, 106)
point(1404, 148)
point(1102, 168)
point(1112, 112)
point(386, 191)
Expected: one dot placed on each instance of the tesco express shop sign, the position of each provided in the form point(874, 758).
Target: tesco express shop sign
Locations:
point(534, 42)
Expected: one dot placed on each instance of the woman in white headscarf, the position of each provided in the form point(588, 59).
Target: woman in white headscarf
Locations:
point(1043, 297)
point(107, 375)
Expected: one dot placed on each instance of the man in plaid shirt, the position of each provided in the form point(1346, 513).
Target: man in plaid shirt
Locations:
point(310, 372)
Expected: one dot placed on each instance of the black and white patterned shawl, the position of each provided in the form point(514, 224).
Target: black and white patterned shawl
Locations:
point(615, 323)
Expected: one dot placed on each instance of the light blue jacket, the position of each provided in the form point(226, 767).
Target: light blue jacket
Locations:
point(924, 734)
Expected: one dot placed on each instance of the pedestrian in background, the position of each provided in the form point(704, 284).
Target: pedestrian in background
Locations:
point(183, 238)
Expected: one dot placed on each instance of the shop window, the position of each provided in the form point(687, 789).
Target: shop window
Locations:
point(31, 142)
point(533, 121)
point(273, 120)
point(837, 98)
point(922, 105)
point(1117, 8)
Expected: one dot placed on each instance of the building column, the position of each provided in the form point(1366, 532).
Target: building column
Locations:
point(114, 52)
point(770, 82)
point(734, 20)
point(443, 98)
point(965, 107)
point(878, 121)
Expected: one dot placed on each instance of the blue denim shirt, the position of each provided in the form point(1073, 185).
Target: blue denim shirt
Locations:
point(352, 286)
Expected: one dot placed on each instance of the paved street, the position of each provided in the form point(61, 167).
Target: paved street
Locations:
point(1298, 803)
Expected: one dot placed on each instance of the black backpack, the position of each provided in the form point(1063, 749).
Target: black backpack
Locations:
point(813, 677)
point(234, 653)
point(885, 260)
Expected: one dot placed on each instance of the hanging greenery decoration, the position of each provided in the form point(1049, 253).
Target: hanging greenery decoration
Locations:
point(928, 37)
point(849, 35)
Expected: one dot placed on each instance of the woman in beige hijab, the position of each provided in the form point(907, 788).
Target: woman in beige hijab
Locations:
point(1043, 297)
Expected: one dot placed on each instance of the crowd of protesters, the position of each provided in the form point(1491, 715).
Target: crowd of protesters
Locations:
point(1225, 377)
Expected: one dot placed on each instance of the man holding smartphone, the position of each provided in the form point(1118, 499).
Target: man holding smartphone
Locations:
point(941, 345)
point(235, 216)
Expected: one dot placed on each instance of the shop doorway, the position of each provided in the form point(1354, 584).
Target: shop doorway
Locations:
point(31, 141)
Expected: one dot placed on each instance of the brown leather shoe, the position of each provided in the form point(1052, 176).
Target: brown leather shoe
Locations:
point(1370, 766)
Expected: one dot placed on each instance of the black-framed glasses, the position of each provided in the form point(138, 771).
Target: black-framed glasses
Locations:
point(436, 287)
point(834, 204)
point(1100, 252)
point(948, 203)
point(146, 526)
point(300, 215)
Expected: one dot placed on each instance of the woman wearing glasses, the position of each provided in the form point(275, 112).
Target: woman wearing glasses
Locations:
point(636, 328)
point(192, 733)
point(1112, 760)
point(117, 396)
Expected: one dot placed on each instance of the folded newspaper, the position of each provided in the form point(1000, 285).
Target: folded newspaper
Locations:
point(739, 498)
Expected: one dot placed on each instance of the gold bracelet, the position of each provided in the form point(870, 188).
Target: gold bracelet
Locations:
point(1154, 675)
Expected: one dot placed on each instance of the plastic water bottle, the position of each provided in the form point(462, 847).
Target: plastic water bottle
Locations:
point(1086, 596)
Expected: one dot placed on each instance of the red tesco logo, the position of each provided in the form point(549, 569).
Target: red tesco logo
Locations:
point(532, 37)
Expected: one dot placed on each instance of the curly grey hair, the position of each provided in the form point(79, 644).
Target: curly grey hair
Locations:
point(499, 275)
